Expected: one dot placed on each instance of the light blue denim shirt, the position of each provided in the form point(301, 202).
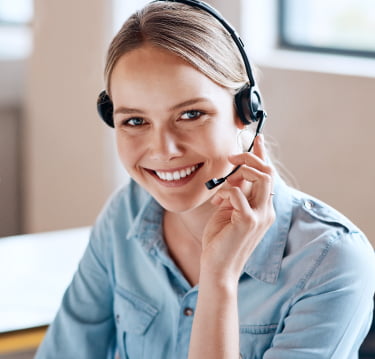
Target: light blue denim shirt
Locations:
point(306, 291)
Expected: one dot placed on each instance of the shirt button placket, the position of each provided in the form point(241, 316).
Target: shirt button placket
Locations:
point(187, 310)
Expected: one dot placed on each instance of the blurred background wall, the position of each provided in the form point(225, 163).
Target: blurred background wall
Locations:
point(66, 164)
point(57, 161)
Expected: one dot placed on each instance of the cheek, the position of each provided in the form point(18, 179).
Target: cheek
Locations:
point(222, 141)
point(127, 151)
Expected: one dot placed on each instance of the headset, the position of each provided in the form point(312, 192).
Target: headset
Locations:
point(247, 100)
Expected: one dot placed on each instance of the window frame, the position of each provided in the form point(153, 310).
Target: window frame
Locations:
point(285, 43)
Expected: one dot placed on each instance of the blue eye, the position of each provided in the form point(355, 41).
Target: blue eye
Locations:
point(135, 121)
point(191, 115)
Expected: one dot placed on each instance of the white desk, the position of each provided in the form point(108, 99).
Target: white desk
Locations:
point(35, 270)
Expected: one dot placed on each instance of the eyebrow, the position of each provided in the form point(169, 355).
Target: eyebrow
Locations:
point(127, 110)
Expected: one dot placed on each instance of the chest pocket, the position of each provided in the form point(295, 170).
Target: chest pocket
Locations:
point(133, 316)
point(255, 340)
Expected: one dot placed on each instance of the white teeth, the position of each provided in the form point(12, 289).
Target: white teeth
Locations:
point(176, 175)
point(163, 175)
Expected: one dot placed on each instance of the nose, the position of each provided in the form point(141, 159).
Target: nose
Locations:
point(165, 146)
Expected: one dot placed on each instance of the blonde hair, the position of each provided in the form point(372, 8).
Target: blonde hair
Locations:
point(189, 33)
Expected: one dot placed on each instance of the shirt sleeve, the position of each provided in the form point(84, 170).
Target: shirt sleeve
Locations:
point(84, 326)
point(331, 313)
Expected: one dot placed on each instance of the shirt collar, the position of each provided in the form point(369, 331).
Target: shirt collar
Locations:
point(265, 262)
point(147, 226)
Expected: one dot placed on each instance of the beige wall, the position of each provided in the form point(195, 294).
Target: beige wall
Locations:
point(324, 127)
point(67, 167)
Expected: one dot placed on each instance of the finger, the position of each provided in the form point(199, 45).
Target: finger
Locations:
point(261, 188)
point(216, 200)
point(251, 160)
point(259, 148)
point(236, 199)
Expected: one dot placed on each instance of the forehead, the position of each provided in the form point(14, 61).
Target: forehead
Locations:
point(156, 72)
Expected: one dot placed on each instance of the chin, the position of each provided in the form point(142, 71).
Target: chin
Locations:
point(182, 204)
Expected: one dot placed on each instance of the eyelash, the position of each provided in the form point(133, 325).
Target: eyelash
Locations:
point(196, 115)
point(128, 122)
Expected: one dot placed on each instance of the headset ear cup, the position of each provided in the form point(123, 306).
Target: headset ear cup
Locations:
point(104, 106)
point(249, 104)
point(243, 109)
point(241, 100)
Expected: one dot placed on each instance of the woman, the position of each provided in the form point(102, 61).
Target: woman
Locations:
point(174, 270)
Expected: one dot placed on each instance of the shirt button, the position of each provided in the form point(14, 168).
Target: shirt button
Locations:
point(308, 204)
point(188, 312)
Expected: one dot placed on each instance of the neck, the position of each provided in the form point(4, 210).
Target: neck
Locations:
point(192, 222)
point(183, 234)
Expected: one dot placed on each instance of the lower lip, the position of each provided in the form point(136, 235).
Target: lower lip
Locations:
point(176, 183)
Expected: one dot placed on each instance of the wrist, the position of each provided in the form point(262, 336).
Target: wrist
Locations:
point(222, 282)
point(225, 273)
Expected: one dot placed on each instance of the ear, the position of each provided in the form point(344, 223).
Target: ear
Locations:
point(240, 125)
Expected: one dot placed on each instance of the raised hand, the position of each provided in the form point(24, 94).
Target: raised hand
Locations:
point(243, 215)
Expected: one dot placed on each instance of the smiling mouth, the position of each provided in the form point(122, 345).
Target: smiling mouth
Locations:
point(177, 175)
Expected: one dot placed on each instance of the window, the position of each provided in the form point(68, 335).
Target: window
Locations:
point(15, 12)
point(15, 34)
point(332, 26)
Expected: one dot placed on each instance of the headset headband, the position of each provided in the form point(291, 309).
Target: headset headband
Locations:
point(233, 33)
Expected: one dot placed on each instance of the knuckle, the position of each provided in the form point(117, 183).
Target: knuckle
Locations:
point(269, 170)
point(266, 177)
point(252, 222)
